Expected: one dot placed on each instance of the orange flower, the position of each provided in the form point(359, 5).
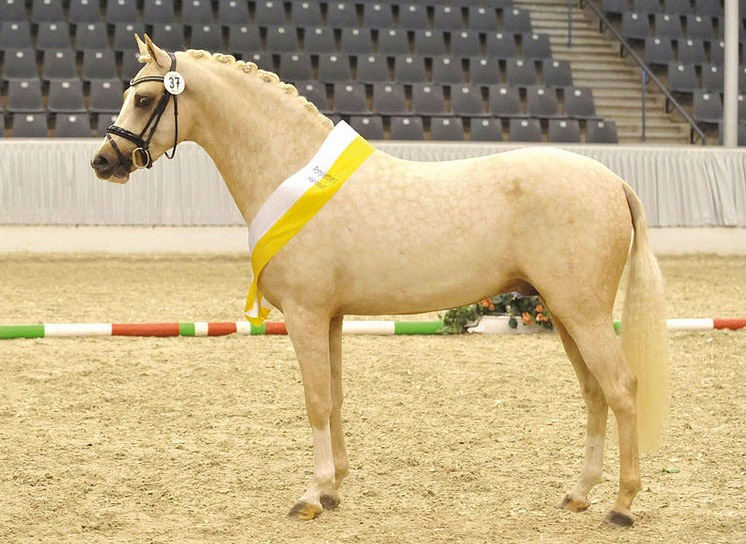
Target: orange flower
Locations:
point(539, 308)
point(540, 317)
point(526, 318)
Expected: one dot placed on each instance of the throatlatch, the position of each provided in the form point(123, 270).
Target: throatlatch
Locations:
point(174, 85)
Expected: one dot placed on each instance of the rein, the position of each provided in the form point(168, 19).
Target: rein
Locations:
point(141, 154)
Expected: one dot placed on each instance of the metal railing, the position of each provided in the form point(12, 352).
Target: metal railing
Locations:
point(695, 133)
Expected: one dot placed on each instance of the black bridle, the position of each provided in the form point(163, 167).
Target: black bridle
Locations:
point(141, 154)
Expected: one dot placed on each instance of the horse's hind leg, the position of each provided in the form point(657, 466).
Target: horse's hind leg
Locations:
point(600, 349)
point(577, 499)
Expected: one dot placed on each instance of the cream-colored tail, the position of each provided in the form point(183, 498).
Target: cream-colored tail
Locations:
point(644, 332)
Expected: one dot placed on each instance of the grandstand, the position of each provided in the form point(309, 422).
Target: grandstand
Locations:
point(480, 70)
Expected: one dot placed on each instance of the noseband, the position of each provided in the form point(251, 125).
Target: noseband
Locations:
point(141, 154)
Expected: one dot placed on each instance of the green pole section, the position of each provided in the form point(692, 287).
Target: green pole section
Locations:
point(417, 327)
point(258, 331)
point(186, 329)
point(21, 331)
point(617, 326)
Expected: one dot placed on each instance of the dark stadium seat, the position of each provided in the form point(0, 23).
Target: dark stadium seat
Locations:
point(501, 45)
point(446, 69)
point(72, 125)
point(208, 37)
point(372, 68)
point(244, 38)
point(369, 127)
point(482, 19)
point(46, 10)
point(647, 6)
point(19, 64)
point(53, 35)
point(563, 131)
point(393, 41)
point(448, 17)
point(636, 26)
point(66, 95)
point(708, 8)
point(717, 52)
point(579, 103)
point(616, 7)
point(84, 11)
point(121, 11)
point(692, 51)
point(525, 130)
point(517, 21)
point(305, 13)
point(541, 102)
point(377, 15)
point(28, 125)
point(282, 39)
point(15, 35)
point(130, 65)
point(599, 131)
point(682, 78)
point(484, 70)
point(658, 51)
point(196, 12)
point(99, 64)
point(389, 99)
point(105, 96)
point(447, 129)
point(318, 39)
point(707, 107)
point(269, 12)
point(59, 64)
point(233, 12)
point(699, 28)
point(124, 36)
point(429, 42)
point(412, 16)
point(668, 26)
point(677, 7)
point(536, 46)
point(24, 96)
point(341, 14)
point(466, 100)
point(521, 73)
point(349, 98)
point(409, 68)
point(465, 43)
point(315, 92)
point(712, 78)
point(104, 121)
point(334, 67)
point(407, 128)
point(12, 10)
point(556, 73)
point(295, 67)
point(91, 36)
point(356, 40)
point(262, 59)
point(428, 99)
point(158, 11)
point(169, 36)
point(505, 101)
point(485, 130)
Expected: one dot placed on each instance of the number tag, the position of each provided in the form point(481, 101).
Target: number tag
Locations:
point(174, 82)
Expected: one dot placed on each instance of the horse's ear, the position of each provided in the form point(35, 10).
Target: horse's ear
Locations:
point(141, 45)
point(159, 56)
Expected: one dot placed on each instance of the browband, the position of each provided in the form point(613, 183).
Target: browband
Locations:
point(141, 154)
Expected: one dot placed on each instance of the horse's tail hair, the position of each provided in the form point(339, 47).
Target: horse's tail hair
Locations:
point(644, 332)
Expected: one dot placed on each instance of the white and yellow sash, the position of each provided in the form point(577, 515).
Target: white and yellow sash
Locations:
point(296, 201)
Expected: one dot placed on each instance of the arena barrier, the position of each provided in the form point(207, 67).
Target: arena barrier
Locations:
point(488, 325)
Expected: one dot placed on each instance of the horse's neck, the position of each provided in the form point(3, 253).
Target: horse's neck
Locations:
point(256, 133)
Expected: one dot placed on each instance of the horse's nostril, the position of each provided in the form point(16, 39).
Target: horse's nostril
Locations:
point(100, 162)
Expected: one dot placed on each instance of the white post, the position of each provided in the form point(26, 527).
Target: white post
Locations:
point(730, 84)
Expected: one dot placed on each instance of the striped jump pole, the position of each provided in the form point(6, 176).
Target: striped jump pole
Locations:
point(488, 325)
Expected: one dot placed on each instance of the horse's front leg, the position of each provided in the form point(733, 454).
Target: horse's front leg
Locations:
point(309, 333)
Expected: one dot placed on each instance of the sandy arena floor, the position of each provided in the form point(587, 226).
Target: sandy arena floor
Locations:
point(451, 439)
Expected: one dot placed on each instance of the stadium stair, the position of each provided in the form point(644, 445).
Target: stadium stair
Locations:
point(616, 82)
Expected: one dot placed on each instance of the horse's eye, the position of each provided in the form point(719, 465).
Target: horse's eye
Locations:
point(143, 101)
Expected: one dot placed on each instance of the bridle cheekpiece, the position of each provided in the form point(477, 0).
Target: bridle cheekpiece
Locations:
point(173, 84)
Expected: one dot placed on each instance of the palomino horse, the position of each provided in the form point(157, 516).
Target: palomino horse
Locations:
point(386, 226)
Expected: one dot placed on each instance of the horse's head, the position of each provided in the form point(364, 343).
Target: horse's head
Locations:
point(147, 125)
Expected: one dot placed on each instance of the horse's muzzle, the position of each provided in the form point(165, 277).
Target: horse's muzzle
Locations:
point(110, 168)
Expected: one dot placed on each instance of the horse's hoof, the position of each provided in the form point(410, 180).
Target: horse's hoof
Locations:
point(329, 502)
point(617, 519)
point(304, 511)
point(575, 505)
